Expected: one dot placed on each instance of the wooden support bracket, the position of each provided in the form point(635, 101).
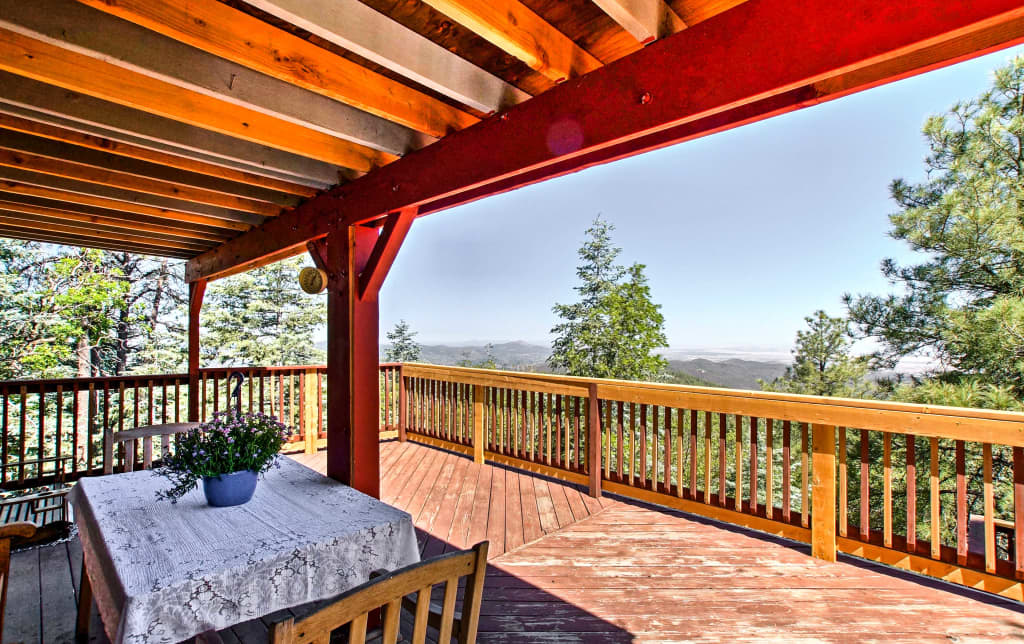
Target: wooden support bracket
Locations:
point(396, 227)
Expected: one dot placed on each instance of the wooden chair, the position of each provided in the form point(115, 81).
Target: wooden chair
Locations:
point(130, 438)
point(8, 533)
point(388, 592)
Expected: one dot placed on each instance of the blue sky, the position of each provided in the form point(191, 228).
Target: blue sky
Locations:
point(743, 233)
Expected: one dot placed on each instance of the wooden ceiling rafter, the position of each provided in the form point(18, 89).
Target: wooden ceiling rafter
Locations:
point(236, 36)
point(90, 241)
point(357, 27)
point(515, 28)
point(61, 226)
point(646, 20)
point(115, 219)
point(77, 72)
point(57, 106)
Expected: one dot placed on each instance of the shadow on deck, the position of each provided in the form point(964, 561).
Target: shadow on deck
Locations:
point(568, 568)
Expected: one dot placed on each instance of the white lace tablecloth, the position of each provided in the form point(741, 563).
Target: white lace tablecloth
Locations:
point(164, 572)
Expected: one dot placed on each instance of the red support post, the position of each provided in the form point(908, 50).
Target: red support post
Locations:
point(594, 441)
point(196, 290)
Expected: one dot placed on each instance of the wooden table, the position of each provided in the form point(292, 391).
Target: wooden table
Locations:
point(162, 572)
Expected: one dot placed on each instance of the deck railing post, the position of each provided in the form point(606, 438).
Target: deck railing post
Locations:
point(402, 403)
point(478, 424)
point(594, 441)
point(823, 492)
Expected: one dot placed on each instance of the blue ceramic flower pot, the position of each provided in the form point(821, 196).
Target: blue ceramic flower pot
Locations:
point(229, 489)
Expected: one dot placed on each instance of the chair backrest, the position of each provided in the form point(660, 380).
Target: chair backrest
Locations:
point(388, 592)
point(8, 532)
point(130, 438)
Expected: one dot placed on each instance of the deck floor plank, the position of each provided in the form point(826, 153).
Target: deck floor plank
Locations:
point(602, 570)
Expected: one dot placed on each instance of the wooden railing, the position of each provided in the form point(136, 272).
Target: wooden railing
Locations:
point(64, 428)
point(843, 475)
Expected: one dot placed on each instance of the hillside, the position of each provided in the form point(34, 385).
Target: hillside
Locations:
point(734, 373)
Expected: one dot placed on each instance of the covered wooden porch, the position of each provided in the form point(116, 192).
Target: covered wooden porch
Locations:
point(570, 568)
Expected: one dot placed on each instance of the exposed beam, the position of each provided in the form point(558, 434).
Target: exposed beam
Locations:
point(672, 90)
point(52, 157)
point(49, 224)
point(12, 232)
point(11, 177)
point(376, 37)
point(646, 20)
point(233, 35)
point(91, 142)
point(392, 234)
point(57, 106)
point(48, 63)
point(127, 221)
point(68, 24)
point(515, 28)
point(64, 197)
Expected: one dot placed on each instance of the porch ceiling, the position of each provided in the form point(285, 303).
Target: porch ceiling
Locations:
point(171, 127)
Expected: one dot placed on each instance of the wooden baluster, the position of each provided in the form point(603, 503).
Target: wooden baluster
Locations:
point(163, 402)
point(23, 432)
point(135, 399)
point(619, 463)
point(707, 457)
point(990, 510)
point(692, 492)
point(654, 447)
point(769, 471)
point(177, 400)
point(911, 494)
point(280, 399)
point(843, 479)
point(320, 405)
point(1018, 512)
point(248, 381)
point(887, 489)
point(642, 474)
point(291, 399)
point(723, 456)
point(149, 405)
point(3, 436)
point(865, 486)
point(59, 448)
point(577, 452)
point(961, 502)
point(680, 470)
point(936, 515)
point(754, 422)
point(787, 454)
point(263, 399)
point(523, 429)
point(75, 452)
point(738, 501)
point(41, 445)
point(805, 500)
point(634, 421)
point(91, 428)
point(216, 394)
point(607, 437)
point(108, 432)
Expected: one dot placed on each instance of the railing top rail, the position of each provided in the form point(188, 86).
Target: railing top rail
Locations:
point(12, 386)
point(1001, 427)
point(263, 369)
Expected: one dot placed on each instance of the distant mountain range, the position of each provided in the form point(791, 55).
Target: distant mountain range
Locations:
point(736, 373)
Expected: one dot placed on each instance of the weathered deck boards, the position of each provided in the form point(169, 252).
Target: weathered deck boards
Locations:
point(456, 503)
point(630, 572)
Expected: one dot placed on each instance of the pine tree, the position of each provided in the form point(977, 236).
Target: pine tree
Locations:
point(822, 363)
point(262, 317)
point(614, 327)
point(402, 344)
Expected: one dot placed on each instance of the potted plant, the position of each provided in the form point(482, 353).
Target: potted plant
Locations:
point(228, 454)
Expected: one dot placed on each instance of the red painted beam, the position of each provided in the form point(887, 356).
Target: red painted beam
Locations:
point(764, 55)
point(396, 227)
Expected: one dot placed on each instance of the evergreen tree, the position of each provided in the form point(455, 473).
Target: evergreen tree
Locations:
point(614, 327)
point(963, 301)
point(402, 344)
point(822, 364)
point(262, 317)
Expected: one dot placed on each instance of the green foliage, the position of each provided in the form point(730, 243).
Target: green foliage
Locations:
point(262, 317)
point(403, 346)
point(963, 301)
point(822, 364)
point(614, 327)
point(231, 442)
